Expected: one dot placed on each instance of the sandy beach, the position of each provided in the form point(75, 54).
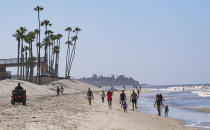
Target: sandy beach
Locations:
point(70, 111)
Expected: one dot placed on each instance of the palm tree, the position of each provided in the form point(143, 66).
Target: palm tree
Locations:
point(56, 50)
point(49, 34)
point(46, 23)
point(26, 64)
point(53, 40)
point(68, 42)
point(38, 9)
point(74, 39)
point(59, 36)
point(29, 39)
point(22, 35)
point(67, 72)
point(36, 31)
point(17, 36)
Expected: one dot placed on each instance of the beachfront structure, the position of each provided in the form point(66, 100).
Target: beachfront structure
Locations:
point(4, 63)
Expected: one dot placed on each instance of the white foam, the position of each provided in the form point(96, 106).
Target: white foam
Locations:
point(188, 88)
point(202, 93)
point(198, 126)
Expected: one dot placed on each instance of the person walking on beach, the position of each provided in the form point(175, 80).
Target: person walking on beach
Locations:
point(102, 96)
point(109, 99)
point(58, 91)
point(125, 106)
point(166, 111)
point(161, 97)
point(138, 91)
point(89, 96)
point(159, 104)
point(133, 99)
point(62, 89)
point(122, 97)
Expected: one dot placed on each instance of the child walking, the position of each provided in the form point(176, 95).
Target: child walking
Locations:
point(125, 105)
point(103, 96)
point(166, 111)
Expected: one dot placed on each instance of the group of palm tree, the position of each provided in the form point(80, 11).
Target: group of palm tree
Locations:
point(51, 47)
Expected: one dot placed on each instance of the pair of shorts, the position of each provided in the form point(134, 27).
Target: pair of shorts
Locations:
point(89, 97)
point(122, 99)
point(134, 100)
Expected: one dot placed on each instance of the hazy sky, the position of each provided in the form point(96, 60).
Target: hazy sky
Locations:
point(154, 41)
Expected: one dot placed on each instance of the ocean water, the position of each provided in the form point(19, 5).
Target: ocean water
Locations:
point(181, 101)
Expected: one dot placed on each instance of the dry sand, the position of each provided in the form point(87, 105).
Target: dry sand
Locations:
point(70, 111)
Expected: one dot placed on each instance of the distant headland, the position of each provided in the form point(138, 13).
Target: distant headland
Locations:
point(120, 80)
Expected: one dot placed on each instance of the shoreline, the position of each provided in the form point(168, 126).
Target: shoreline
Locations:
point(197, 117)
point(131, 120)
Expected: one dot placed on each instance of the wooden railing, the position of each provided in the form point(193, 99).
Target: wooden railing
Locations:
point(15, 61)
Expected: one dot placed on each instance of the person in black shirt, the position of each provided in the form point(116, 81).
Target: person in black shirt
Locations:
point(19, 87)
point(58, 91)
point(138, 91)
point(89, 96)
point(122, 97)
point(159, 104)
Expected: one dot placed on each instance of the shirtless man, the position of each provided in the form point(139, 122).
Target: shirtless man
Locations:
point(133, 99)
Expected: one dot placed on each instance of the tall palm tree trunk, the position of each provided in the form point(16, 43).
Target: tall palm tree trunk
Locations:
point(23, 68)
point(31, 63)
point(26, 65)
point(21, 61)
point(45, 55)
point(18, 60)
point(56, 65)
point(49, 59)
point(58, 57)
point(67, 54)
point(39, 50)
point(52, 59)
point(72, 59)
point(73, 52)
point(69, 60)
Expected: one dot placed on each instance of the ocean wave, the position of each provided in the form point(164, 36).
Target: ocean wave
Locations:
point(202, 93)
point(188, 88)
point(205, 125)
point(199, 109)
